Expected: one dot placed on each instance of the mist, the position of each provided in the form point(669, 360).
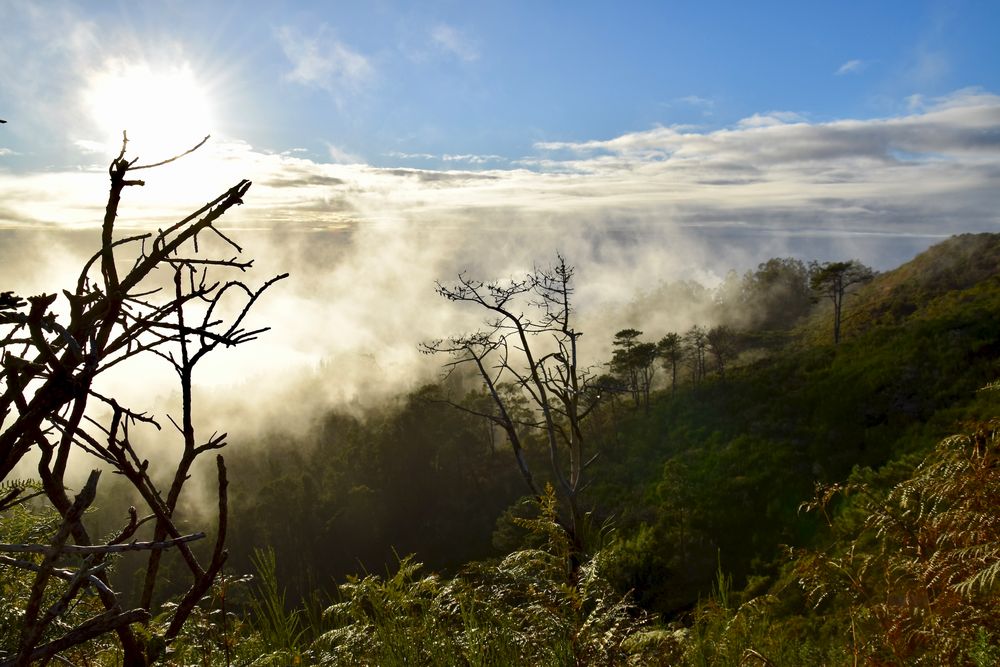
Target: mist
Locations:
point(364, 245)
point(347, 323)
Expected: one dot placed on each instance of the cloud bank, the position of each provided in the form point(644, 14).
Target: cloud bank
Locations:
point(364, 244)
point(932, 172)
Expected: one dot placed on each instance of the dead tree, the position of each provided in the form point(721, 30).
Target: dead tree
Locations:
point(529, 342)
point(156, 300)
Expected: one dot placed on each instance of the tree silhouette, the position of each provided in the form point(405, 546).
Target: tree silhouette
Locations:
point(696, 345)
point(121, 309)
point(634, 361)
point(529, 342)
point(670, 348)
point(723, 345)
point(623, 363)
point(833, 280)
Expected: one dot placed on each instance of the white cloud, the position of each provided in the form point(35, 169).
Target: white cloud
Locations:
point(696, 101)
point(399, 155)
point(341, 156)
point(771, 118)
point(364, 244)
point(322, 61)
point(473, 159)
point(851, 67)
point(453, 41)
point(930, 172)
point(469, 158)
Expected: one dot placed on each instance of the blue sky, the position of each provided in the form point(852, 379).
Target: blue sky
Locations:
point(771, 122)
point(393, 144)
point(386, 82)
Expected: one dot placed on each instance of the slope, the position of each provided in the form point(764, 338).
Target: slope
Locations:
point(716, 473)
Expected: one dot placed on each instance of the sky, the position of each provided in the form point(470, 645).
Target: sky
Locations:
point(392, 144)
point(678, 100)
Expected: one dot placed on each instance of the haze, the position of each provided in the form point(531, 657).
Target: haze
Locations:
point(391, 146)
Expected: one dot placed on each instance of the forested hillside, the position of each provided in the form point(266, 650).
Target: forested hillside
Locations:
point(720, 470)
point(711, 443)
point(705, 472)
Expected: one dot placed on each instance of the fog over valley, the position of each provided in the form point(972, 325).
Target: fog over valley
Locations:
point(497, 334)
point(365, 244)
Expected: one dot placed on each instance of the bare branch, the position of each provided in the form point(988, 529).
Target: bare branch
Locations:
point(48, 403)
point(107, 622)
point(526, 317)
point(176, 157)
point(66, 575)
point(101, 548)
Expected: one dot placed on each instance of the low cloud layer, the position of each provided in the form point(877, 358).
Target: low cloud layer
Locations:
point(365, 244)
point(932, 173)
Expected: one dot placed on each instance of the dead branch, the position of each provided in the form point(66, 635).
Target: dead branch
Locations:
point(101, 548)
point(95, 627)
point(66, 575)
point(525, 318)
point(48, 363)
point(219, 556)
point(176, 157)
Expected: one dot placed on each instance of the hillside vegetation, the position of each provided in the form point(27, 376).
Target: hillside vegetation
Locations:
point(719, 471)
point(803, 504)
point(710, 477)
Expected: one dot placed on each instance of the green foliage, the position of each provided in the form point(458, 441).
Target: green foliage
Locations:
point(22, 523)
point(215, 634)
point(633, 362)
point(717, 468)
point(670, 349)
point(532, 607)
point(712, 473)
point(921, 576)
point(17, 526)
point(230, 627)
point(387, 621)
point(914, 582)
point(776, 295)
point(724, 465)
point(283, 631)
point(419, 476)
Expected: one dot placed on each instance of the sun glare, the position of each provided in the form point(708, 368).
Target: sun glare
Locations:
point(165, 110)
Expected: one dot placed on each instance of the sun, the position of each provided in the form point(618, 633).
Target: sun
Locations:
point(164, 109)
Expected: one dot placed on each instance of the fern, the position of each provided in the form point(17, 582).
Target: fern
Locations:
point(11, 492)
point(921, 577)
point(531, 607)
